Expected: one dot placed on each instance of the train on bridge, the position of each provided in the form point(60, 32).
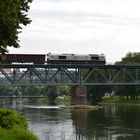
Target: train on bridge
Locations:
point(53, 58)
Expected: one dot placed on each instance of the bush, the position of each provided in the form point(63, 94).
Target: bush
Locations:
point(16, 133)
point(10, 118)
point(14, 126)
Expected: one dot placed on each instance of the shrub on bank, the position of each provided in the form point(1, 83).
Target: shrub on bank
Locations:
point(14, 126)
point(16, 134)
point(10, 118)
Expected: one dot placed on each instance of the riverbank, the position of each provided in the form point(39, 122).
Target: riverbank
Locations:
point(16, 134)
point(119, 100)
point(14, 126)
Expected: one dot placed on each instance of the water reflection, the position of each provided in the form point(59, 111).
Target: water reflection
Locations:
point(112, 122)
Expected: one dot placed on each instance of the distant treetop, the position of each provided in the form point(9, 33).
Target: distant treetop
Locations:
point(131, 58)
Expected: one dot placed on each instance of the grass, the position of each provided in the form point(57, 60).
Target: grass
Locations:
point(13, 126)
point(16, 133)
point(111, 98)
point(118, 99)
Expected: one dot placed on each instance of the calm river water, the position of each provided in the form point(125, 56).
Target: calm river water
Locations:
point(110, 122)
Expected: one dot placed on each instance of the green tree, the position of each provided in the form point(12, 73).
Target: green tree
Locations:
point(127, 90)
point(130, 58)
point(13, 14)
point(33, 91)
point(7, 91)
point(95, 93)
point(63, 90)
point(52, 93)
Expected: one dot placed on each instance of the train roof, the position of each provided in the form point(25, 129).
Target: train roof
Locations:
point(21, 54)
point(57, 54)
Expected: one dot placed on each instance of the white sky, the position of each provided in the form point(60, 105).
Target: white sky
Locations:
point(111, 27)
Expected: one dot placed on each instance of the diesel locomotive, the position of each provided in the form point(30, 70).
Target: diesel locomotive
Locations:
point(75, 59)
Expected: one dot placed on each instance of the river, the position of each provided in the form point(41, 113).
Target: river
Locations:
point(110, 122)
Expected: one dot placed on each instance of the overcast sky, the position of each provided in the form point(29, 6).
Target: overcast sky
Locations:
point(111, 27)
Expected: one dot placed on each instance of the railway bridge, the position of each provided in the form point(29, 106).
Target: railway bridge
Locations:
point(76, 75)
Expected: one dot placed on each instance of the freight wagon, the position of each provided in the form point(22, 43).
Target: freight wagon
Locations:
point(22, 58)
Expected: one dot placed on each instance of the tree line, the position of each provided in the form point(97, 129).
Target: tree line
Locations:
point(51, 92)
point(95, 93)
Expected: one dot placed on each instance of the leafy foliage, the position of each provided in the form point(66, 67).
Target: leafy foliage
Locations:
point(14, 126)
point(7, 91)
point(131, 58)
point(16, 133)
point(52, 93)
point(131, 90)
point(10, 119)
point(95, 93)
point(12, 17)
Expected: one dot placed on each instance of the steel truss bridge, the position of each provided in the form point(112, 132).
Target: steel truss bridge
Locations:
point(69, 74)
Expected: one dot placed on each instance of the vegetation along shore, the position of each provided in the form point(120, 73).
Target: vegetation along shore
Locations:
point(14, 126)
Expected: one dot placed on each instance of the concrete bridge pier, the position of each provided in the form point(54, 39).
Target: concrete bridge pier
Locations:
point(78, 95)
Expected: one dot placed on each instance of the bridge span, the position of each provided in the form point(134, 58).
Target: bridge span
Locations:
point(69, 74)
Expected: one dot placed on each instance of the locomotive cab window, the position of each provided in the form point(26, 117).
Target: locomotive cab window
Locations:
point(62, 57)
point(94, 58)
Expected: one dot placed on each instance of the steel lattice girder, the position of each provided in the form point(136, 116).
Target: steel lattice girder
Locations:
point(70, 74)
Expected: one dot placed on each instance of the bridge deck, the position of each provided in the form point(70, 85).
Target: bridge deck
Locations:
point(69, 66)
